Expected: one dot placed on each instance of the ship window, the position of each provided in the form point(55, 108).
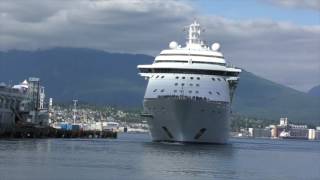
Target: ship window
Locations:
point(162, 77)
point(218, 93)
point(219, 79)
point(213, 79)
point(183, 77)
point(197, 85)
point(182, 84)
point(176, 84)
point(210, 92)
point(175, 91)
point(154, 90)
point(162, 90)
point(177, 77)
point(198, 78)
point(191, 78)
point(157, 76)
point(197, 92)
point(191, 84)
point(190, 91)
point(181, 91)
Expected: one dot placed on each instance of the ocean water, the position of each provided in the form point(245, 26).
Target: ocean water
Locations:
point(135, 157)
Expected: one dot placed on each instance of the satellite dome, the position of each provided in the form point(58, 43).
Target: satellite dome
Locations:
point(215, 46)
point(173, 45)
point(25, 82)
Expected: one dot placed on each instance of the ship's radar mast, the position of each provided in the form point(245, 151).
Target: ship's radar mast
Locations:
point(194, 32)
point(194, 41)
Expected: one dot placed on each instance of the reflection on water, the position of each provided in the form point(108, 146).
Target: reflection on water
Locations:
point(187, 160)
point(134, 156)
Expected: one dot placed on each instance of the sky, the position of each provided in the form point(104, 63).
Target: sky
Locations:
point(275, 39)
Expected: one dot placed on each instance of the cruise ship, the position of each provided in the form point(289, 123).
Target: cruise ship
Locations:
point(189, 92)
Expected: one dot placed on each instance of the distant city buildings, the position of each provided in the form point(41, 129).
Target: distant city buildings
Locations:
point(97, 119)
point(285, 130)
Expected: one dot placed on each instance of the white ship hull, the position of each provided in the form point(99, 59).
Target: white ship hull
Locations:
point(185, 120)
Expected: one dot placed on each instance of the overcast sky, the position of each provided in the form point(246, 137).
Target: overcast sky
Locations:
point(276, 39)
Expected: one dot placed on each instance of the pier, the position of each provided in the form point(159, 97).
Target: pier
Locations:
point(28, 131)
point(23, 115)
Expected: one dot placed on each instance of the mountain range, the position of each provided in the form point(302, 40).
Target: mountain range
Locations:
point(99, 77)
point(315, 91)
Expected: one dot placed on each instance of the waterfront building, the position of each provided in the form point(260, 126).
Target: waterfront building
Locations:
point(317, 134)
point(300, 133)
point(312, 134)
point(10, 101)
point(260, 132)
point(21, 104)
point(283, 121)
point(286, 130)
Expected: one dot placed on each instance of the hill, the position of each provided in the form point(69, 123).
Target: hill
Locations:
point(262, 98)
point(84, 74)
point(111, 78)
point(315, 91)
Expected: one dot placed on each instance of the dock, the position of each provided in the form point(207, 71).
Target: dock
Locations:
point(50, 132)
point(23, 114)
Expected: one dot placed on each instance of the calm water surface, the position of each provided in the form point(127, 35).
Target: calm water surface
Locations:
point(134, 156)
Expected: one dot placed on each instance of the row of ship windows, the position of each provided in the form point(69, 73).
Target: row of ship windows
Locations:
point(183, 77)
point(182, 84)
point(190, 91)
point(201, 110)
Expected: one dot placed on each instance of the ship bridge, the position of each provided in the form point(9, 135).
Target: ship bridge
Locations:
point(194, 58)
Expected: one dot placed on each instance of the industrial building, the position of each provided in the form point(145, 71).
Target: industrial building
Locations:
point(260, 132)
point(285, 130)
point(22, 105)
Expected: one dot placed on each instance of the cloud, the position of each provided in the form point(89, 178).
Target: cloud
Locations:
point(124, 25)
point(283, 52)
point(300, 4)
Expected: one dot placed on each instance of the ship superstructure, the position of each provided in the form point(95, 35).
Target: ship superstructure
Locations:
point(189, 92)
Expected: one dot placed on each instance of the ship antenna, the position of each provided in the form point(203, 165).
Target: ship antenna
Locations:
point(74, 111)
